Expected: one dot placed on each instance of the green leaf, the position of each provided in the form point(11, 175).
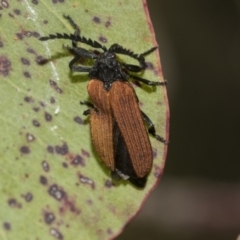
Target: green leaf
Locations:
point(52, 183)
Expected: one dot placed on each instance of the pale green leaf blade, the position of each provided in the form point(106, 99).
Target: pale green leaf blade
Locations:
point(52, 183)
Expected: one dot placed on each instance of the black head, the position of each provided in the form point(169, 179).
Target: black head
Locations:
point(108, 69)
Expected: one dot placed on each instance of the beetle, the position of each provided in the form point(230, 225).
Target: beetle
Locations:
point(117, 124)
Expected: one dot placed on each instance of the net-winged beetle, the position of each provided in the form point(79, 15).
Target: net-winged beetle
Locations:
point(117, 124)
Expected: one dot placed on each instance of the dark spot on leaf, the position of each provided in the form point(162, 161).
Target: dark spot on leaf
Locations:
point(85, 153)
point(108, 183)
point(56, 192)
point(41, 60)
point(19, 36)
point(78, 120)
point(45, 166)
point(45, 22)
point(78, 160)
point(36, 109)
point(61, 1)
point(42, 104)
point(17, 11)
point(7, 226)
point(49, 217)
point(28, 197)
point(36, 123)
point(65, 165)
point(48, 117)
point(55, 233)
point(89, 202)
point(100, 232)
point(97, 20)
point(54, 85)
point(154, 153)
point(69, 205)
point(11, 15)
point(50, 149)
point(30, 137)
point(160, 103)
point(26, 33)
point(12, 202)
point(157, 171)
point(149, 66)
point(107, 24)
point(85, 180)
point(5, 3)
point(27, 74)
point(63, 150)
point(25, 61)
point(102, 39)
point(25, 150)
point(43, 180)
point(109, 231)
point(52, 100)
point(54, 1)
point(35, 2)
point(5, 66)
point(28, 99)
point(36, 34)
point(30, 50)
point(1, 44)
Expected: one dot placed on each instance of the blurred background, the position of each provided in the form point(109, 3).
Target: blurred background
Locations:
point(199, 194)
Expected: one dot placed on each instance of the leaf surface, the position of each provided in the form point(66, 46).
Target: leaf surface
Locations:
point(52, 183)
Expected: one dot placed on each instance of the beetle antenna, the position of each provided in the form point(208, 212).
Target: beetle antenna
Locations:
point(72, 37)
point(119, 49)
point(148, 52)
point(139, 57)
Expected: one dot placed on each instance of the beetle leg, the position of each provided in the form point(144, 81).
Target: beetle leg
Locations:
point(84, 53)
point(147, 82)
point(72, 62)
point(79, 68)
point(79, 53)
point(151, 128)
point(90, 105)
point(86, 112)
point(132, 68)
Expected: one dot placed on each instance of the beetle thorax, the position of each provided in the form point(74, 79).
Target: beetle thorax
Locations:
point(107, 69)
